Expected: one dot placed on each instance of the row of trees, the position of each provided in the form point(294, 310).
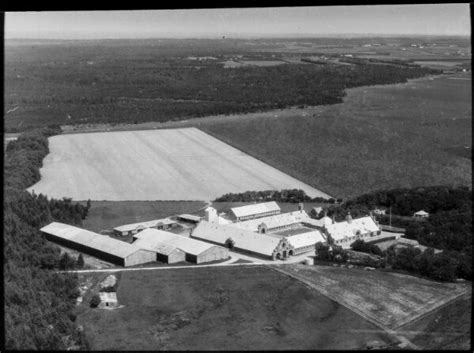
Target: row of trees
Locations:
point(38, 301)
point(285, 195)
point(440, 267)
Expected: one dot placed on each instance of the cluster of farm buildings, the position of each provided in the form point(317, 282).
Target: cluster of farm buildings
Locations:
point(259, 230)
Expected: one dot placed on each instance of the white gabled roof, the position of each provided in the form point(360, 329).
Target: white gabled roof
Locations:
point(188, 245)
point(108, 297)
point(421, 213)
point(90, 239)
point(150, 242)
point(340, 230)
point(243, 239)
point(148, 224)
point(279, 220)
point(305, 239)
point(255, 209)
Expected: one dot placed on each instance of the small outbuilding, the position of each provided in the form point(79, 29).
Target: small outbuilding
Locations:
point(108, 300)
point(189, 218)
point(421, 214)
point(134, 228)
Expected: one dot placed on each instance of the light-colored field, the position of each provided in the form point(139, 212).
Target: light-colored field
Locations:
point(178, 164)
point(389, 299)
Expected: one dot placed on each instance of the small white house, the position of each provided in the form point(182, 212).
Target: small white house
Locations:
point(108, 300)
point(421, 214)
point(379, 211)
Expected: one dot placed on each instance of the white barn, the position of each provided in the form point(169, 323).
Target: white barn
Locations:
point(100, 246)
point(255, 210)
point(346, 232)
point(196, 251)
point(261, 245)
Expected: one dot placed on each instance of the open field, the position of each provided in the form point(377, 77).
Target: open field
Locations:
point(403, 135)
point(106, 215)
point(251, 308)
point(446, 328)
point(381, 137)
point(181, 164)
point(390, 299)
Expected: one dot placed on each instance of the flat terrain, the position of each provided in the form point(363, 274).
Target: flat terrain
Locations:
point(106, 215)
point(390, 299)
point(179, 164)
point(446, 328)
point(381, 137)
point(248, 308)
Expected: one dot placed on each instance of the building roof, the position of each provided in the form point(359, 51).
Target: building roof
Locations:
point(188, 245)
point(90, 239)
point(150, 242)
point(255, 209)
point(108, 297)
point(340, 230)
point(305, 239)
point(421, 213)
point(190, 217)
point(275, 221)
point(243, 239)
point(141, 225)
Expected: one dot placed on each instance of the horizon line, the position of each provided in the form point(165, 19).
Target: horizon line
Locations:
point(249, 36)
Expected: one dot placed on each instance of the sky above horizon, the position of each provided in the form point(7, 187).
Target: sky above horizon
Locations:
point(426, 19)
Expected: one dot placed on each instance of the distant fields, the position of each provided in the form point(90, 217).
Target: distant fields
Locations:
point(106, 215)
point(248, 308)
point(391, 299)
point(178, 164)
point(381, 137)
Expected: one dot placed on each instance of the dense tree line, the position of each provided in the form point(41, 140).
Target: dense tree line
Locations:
point(38, 301)
point(448, 228)
point(286, 195)
point(165, 90)
point(444, 266)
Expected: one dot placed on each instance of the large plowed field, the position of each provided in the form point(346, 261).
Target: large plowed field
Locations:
point(177, 164)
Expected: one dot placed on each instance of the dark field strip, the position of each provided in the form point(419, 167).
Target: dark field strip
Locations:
point(381, 137)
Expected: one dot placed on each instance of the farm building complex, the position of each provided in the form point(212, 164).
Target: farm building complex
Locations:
point(259, 230)
point(150, 245)
point(97, 245)
point(262, 230)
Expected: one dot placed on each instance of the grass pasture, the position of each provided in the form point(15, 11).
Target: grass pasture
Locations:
point(169, 164)
point(248, 308)
point(446, 328)
point(381, 137)
point(106, 215)
point(390, 299)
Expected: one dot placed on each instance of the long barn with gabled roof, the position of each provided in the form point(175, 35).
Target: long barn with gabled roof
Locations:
point(98, 245)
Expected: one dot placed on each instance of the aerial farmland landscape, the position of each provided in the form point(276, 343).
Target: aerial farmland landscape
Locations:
point(222, 185)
